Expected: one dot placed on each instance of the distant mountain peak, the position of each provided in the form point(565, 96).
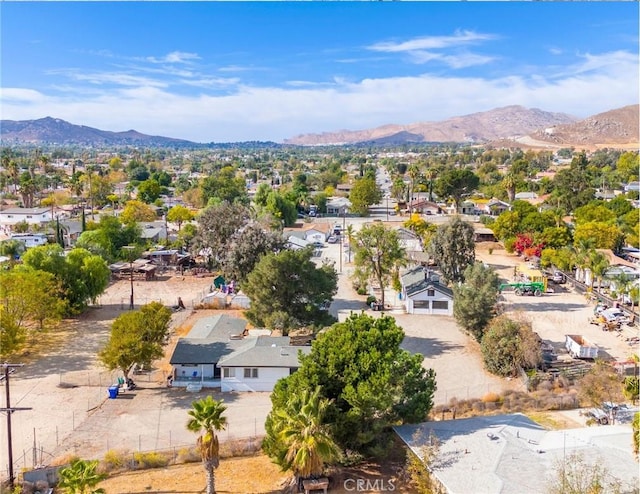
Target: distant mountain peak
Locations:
point(487, 126)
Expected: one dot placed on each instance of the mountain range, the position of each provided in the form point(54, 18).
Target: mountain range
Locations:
point(510, 125)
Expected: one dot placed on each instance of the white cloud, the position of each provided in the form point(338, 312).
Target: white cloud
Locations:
point(108, 78)
point(175, 57)
point(431, 42)
point(248, 112)
point(457, 61)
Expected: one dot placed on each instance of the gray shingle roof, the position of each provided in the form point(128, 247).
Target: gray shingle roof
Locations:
point(512, 454)
point(414, 282)
point(209, 340)
point(265, 351)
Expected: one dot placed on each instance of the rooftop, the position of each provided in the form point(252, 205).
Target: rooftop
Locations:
point(513, 454)
point(265, 351)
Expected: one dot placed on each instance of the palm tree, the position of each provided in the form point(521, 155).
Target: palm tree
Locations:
point(308, 441)
point(598, 265)
point(350, 233)
point(81, 476)
point(207, 419)
point(431, 175)
point(509, 183)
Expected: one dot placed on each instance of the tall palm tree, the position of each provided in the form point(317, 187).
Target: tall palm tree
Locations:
point(509, 183)
point(307, 439)
point(350, 234)
point(207, 419)
point(598, 265)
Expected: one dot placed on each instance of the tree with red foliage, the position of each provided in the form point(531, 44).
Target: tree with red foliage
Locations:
point(525, 245)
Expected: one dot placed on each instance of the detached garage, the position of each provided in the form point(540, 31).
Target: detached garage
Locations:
point(423, 293)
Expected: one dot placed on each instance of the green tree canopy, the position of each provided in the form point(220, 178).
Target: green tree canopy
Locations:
point(83, 276)
point(245, 249)
point(378, 254)
point(603, 235)
point(136, 211)
point(107, 238)
point(509, 345)
point(225, 186)
point(453, 248)
point(475, 300)
point(216, 226)
point(179, 214)
point(136, 338)
point(365, 192)
point(370, 381)
point(28, 298)
point(149, 191)
point(456, 183)
point(287, 290)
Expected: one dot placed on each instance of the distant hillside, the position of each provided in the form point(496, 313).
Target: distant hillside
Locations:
point(618, 126)
point(507, 122)
point(55, 131)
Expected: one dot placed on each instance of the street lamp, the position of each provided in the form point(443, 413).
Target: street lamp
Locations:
point(130, 249)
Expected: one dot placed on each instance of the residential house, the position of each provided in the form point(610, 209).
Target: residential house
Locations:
point(496, 207)
point(632, 187)
point(525, 196)
point(311, 232)
point(512, 454)
point(153, 231)
point(32, 216)
point(424, 206)
point(196, 356)
point(338, 206)
point(71, 231)
point(423, 293)
point(410, 241)
point(259, 363)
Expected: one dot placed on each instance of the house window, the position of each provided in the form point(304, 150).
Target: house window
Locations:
point(440, 304)
point(421, 304)
point(229, 372)
point(29, 216)
point(431, 292)
point(251, 373)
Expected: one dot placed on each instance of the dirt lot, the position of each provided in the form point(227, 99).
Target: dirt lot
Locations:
point(66, 388)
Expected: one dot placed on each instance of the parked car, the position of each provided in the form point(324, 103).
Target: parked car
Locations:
point(333, 239)
point(598, 415)
point(318, 245)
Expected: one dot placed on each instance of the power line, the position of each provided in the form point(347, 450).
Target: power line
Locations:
point(8, 370)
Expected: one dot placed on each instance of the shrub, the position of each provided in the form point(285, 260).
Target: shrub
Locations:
point(188, 455)
point(114, 460)
point(478, 406)
point(510, 245)
point(150, 460)
point(491, 398)
point(371, 299)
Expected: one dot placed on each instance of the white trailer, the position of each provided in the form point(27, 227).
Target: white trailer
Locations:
point(579, 347)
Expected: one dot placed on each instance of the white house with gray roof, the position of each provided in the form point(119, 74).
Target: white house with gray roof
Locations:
point(259, 363)
point(32, 216)
point(423, 293)
point(195, 357)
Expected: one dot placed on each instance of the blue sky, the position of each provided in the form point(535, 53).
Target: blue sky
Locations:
point(209, 71)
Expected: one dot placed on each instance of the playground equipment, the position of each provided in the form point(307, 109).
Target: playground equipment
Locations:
point(535, 288)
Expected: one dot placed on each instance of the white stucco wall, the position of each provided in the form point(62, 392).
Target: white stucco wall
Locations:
point(423, 296)
point(266, 380)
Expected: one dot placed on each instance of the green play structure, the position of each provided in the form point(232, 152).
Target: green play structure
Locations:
point(524, 288)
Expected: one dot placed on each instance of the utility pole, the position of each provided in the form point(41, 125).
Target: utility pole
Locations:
point(8, 409)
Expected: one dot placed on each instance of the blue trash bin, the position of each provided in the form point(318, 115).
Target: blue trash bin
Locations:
point(113, 392)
